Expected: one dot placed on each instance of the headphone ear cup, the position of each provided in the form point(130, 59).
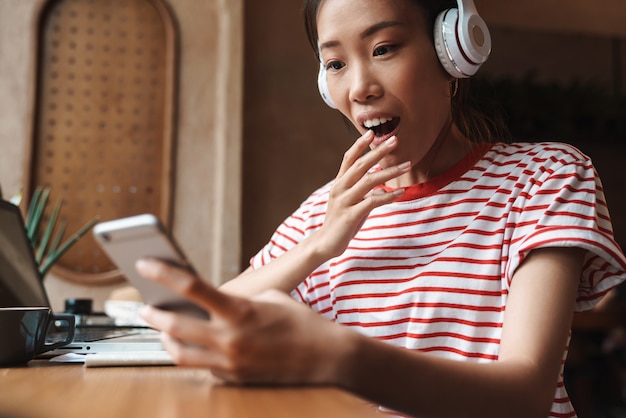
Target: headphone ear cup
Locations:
point(474, 37)
point(448, 47)
point(322, 85)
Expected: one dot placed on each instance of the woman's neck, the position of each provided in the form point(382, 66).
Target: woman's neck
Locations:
point(447, 150)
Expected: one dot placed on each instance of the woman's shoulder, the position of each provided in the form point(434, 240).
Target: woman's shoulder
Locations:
point(315, 203)
point(537, 153)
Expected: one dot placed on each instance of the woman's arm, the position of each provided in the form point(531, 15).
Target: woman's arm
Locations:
point(273, 339)
point(521, 383)
point(351, 199)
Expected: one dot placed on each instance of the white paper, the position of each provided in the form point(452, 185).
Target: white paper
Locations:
point(129, 358)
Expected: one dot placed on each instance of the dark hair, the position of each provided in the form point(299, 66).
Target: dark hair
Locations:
point(476, 125)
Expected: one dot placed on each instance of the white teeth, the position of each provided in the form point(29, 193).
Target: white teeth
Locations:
point(375, 122)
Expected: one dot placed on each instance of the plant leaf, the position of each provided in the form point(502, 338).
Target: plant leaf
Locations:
point(66, 246)
point(57, 237)
point(48, 232)
point(33, 223)
point(32, 206)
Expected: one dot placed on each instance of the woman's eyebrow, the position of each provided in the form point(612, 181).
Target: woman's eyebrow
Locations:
point(366, 33)
point(378, 27)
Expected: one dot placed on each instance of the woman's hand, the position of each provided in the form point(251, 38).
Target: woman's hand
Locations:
point(352, 198)
point(354, 194)
point(271, 339)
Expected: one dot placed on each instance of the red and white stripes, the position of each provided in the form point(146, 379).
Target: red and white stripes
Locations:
point(431, 272)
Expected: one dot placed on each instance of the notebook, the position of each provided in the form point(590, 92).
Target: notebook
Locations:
point(22, 285)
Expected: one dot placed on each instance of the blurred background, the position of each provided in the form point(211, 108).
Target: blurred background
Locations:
point(245, 136)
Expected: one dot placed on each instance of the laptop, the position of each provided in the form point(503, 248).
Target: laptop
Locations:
point(22, 285)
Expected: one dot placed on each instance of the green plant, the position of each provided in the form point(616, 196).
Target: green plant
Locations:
point(47, 247)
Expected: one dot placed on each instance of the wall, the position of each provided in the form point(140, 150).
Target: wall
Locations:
point(206, 213)
point(293, 143)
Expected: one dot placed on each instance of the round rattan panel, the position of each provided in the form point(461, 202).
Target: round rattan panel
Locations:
point(102, 138)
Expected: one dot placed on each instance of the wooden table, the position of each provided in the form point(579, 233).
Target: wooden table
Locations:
point(49, 390)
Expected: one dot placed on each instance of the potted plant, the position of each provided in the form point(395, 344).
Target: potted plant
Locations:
point(47, 236)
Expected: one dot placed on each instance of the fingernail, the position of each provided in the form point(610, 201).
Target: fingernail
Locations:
point(405, 165)
point(391, 141)
point(141, 264)
point(144, 265)
point(144, 311)
point(398, 192)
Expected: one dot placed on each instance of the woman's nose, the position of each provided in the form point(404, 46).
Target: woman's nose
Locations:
point(364, 85)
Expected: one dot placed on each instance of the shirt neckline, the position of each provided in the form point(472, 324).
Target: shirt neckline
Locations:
point(431, 186)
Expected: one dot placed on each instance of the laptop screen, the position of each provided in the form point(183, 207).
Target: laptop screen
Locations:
point(20, 282)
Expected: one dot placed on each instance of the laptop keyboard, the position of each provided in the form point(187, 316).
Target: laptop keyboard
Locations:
point(94, 333)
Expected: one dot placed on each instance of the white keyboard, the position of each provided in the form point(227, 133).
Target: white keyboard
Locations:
point(129, 358)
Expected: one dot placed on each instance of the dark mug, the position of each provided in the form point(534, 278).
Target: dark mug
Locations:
point(23, 332)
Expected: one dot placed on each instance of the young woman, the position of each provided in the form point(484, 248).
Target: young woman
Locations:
point(437, 273)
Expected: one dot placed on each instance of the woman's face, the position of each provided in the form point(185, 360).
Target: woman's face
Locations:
point(382, 67)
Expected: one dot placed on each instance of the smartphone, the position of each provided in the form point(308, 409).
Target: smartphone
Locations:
point(126, 240)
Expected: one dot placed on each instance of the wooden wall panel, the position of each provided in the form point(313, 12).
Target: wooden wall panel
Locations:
point(206, 213)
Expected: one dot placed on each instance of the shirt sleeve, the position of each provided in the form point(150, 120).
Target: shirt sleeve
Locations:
point(287, 235)
point(565, 206)
point(303, 222)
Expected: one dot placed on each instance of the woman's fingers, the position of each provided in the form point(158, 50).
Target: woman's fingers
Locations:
point(354, 193)
point(185, 354)
point(355, 152)
point(365, 188)
point(356, 162)
point(369, 181)
point(188, 285)
point(250, 344)
point(192, 330)
point(378, 197)
point(358, 178)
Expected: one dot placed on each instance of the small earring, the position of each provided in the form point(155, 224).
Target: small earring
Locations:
point(454, 87)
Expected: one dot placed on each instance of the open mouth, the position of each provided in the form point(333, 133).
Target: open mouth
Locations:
point(382, 126)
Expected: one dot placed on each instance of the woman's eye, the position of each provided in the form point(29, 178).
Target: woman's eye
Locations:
point(382, 50)
point(334, 65)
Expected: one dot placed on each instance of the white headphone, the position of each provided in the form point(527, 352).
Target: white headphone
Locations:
point(462, 42)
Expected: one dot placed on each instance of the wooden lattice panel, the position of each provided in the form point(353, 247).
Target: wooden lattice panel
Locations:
point(103, 137)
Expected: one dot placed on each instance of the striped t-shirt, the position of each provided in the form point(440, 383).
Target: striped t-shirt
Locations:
point(431, 272)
